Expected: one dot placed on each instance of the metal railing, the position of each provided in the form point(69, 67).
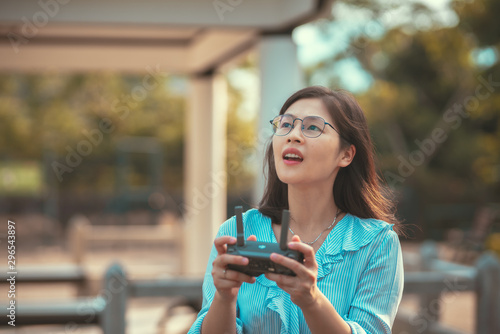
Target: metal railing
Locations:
point(434, 279)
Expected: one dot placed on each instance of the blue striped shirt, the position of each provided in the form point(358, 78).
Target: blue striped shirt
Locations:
point(360, 270)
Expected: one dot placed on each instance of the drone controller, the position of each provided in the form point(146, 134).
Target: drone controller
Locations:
point(258, 253)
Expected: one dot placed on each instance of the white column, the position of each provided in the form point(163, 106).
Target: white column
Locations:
point(280, 77)
point(205, 170)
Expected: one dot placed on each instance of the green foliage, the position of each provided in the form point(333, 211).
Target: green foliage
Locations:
point(426, 79)
point(20, 178)
point(46, 116)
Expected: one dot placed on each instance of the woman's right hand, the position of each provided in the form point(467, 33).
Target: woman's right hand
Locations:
point(226, 281)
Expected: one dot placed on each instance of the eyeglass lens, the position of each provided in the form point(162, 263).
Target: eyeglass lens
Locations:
point(312, 126)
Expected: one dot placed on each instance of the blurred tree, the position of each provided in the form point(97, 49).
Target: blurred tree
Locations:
point(59, 114)
point(434, 103)
point(83, 115)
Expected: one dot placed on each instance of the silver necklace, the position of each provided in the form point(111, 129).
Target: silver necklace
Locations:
point(312, 242)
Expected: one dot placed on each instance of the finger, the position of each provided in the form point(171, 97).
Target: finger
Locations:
point(281, 280)
point(303, 248)
point(232, 275)
point(225, 259)
point(220, 268)
point(291, 264)
point(221, 263)
point(220, 243)
point(252, 238)
point(308, 251)
point(226, 284)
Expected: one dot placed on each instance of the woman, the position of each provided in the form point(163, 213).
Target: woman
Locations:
point(320, 167)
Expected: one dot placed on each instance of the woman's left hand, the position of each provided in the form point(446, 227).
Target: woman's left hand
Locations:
point(302, 288)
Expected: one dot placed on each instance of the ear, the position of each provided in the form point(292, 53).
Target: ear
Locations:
point(347, 156)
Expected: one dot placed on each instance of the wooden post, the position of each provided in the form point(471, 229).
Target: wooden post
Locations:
point(488, 295)
point(430, 303)
point(79, 227)
point(115, 294)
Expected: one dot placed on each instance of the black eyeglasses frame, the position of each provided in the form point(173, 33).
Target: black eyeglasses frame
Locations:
point(302, 127)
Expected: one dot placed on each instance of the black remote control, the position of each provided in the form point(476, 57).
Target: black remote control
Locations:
point(258, 253)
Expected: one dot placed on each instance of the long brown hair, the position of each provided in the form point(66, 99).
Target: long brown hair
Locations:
point(357, 189)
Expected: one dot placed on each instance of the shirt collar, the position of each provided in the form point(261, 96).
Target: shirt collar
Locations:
point(350, 234)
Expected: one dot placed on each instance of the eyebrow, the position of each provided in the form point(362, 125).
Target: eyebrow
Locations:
point(294, 116)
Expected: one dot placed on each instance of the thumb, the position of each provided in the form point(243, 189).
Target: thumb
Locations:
point(296, 238)
point(252, 238)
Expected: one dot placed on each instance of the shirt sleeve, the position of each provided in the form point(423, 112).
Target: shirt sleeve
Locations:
point(380, 288)
point(209, 287)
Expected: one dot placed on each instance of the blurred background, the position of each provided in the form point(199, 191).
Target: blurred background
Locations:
point(129, 131)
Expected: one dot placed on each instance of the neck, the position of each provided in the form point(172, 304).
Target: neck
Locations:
point(312, 209)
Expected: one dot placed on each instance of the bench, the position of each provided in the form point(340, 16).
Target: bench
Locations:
point(39, 274)
point(438, 277)
point(81, 232)
point(108, 309)
point(435, 278)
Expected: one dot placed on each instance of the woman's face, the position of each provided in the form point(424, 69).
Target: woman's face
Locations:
point(308, 161)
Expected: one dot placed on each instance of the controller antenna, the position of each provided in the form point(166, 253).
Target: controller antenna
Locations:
point(284, 230)
point(240, 237)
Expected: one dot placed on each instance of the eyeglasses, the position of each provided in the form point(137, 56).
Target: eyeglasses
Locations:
point(312, 126)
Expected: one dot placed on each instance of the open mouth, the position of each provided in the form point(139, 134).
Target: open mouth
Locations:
point(292, 157)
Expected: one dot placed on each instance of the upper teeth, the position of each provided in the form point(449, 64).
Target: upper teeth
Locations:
point(291, 155)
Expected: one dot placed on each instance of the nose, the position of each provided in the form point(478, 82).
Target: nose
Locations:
point(296, 135)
